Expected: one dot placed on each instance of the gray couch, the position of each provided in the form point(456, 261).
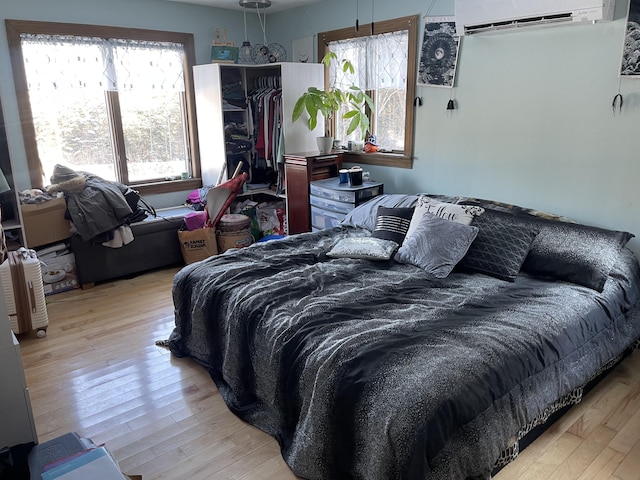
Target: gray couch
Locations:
point(155, 245)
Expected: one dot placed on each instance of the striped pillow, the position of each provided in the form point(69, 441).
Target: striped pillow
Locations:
point(392, 223)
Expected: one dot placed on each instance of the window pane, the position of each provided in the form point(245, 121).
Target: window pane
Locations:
point(68, 77)
point(73, 130)
point(381, 69)
point(153, 134)
point(390, 118)
point(151, 86)
point(69, 111)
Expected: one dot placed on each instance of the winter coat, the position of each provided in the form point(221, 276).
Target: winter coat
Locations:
point(95, 205)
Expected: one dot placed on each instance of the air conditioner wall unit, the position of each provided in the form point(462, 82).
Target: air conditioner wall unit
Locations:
point(485, 16)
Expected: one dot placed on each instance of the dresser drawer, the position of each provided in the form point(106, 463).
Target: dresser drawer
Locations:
point(333, 205)
point(325, 218)
point(333, 190)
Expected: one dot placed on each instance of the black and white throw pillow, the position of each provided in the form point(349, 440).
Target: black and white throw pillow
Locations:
point(392, 223)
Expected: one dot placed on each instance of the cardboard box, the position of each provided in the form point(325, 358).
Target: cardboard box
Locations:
point(44, 223)
point(59, 274)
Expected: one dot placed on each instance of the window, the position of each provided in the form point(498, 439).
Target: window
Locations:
point(385, 63)
point(113, 102)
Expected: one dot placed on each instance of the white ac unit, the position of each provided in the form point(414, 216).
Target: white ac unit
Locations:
point(483, 16)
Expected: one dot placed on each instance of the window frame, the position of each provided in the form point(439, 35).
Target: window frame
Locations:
point(411, 24)
point(15, 28)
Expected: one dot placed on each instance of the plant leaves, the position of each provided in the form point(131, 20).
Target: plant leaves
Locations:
point(298, 108)
point(353, 124)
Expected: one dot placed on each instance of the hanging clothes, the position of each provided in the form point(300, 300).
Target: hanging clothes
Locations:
point(266, 113)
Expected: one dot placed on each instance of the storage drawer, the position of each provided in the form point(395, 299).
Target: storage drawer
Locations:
point(333, 190)
point(325, 218)
point(328, 204)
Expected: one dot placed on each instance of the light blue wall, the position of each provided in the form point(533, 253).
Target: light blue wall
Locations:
point(534, 124)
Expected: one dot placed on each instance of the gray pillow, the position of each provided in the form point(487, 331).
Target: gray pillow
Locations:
point(436, 245)
point(500, 249)
point(369, 248)
point(571, 252)
point(364, 216)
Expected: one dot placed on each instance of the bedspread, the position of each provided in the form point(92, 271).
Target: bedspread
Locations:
point(375, 370)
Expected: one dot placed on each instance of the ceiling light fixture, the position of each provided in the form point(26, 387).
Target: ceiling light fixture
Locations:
point(257, 4)
point(260, 53)
point(245, 49)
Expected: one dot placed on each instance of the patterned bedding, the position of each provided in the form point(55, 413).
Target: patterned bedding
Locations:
point(378, 370)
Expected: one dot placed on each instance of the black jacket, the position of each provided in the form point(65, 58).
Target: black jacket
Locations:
point(95, 205)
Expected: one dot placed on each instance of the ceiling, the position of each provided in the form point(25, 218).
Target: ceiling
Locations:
point(276, 5)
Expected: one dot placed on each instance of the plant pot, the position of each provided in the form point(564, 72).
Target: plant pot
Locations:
point(325, 144)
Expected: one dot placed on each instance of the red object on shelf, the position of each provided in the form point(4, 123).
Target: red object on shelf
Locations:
point(220, 197)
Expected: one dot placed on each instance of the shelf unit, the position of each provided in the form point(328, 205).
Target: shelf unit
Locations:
point(9, 202)
point(212, 81)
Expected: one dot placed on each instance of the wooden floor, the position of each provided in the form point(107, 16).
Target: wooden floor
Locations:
point(98, 372)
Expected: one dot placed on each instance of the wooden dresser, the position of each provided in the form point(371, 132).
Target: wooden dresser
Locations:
point(300, 170)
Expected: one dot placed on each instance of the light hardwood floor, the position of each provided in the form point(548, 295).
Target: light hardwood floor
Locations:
point(98, 372)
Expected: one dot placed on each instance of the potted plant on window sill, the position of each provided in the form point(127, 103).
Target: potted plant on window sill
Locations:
point(327, 102)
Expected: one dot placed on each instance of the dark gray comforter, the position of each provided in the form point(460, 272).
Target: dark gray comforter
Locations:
point(374, 370)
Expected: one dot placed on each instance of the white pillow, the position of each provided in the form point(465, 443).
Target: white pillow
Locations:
point(463, 214)
point(369, 248)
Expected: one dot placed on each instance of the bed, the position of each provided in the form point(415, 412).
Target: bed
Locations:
point(429, 362)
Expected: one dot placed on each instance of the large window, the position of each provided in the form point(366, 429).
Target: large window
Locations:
point(384, 56)
point(113, 102)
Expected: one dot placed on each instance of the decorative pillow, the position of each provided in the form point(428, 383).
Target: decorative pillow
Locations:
point(436, 245)
point(510, 208)
point(364, 215)
point(463, 214)
point(499, 250)
point(571, 252)
point(392, 223)
point(370, 248)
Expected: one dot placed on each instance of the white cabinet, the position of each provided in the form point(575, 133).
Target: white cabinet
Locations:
point(213, 82)
point(9, 204)
point(18, 426)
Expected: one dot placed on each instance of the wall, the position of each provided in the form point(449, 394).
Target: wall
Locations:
point(150, 14)
point(534, 124)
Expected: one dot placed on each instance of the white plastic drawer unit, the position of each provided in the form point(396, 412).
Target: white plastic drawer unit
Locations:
point(331, 200)
point(325, 218)
point(333, 205)
point(331, 189)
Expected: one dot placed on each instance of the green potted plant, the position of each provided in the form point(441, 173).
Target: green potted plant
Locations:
point(327, 102)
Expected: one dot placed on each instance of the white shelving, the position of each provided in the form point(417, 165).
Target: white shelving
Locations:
point(209, 81)
point(9, 203)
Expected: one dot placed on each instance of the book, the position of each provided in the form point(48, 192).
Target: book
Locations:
point(94, 464)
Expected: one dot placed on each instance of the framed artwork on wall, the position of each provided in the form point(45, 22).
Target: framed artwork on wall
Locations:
point(630, 64)
point(303, 49)
point(439, 55)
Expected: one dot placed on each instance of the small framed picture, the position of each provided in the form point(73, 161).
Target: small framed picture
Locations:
point(224, 54)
